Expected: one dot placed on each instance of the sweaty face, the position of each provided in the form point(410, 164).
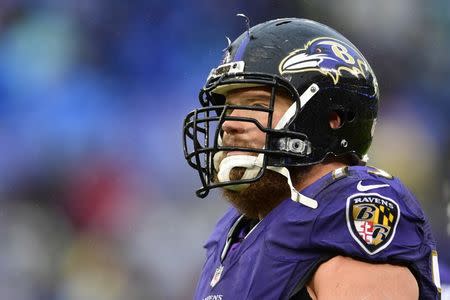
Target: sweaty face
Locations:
point(254, 201)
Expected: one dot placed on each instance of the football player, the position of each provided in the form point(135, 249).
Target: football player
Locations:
point(285, 124)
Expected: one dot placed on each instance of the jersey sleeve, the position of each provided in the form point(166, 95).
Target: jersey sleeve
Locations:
point(381, 223)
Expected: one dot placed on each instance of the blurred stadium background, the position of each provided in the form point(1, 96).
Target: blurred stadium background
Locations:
point(96, 201)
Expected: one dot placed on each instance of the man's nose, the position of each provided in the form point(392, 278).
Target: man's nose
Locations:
point(235, 126)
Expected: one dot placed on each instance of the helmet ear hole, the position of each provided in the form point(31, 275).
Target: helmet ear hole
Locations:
point(336, 119)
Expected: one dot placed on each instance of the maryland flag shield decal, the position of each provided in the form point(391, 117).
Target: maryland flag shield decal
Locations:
point(372, 220)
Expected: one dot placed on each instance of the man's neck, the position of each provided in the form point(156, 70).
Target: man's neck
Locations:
point(312, 175)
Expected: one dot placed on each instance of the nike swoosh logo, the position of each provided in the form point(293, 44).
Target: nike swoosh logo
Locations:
point(365, 188)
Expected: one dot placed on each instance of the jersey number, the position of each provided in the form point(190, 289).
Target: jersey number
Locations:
point(379, 172)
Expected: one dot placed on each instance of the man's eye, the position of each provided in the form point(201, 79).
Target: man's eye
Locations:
point(262, 105)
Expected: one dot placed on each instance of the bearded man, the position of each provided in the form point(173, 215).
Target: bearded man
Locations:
point(286, 121)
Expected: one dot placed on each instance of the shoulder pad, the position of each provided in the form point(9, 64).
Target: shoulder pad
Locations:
point(367, 215)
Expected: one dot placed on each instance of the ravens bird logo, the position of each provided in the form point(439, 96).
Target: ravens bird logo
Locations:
point(329, 56)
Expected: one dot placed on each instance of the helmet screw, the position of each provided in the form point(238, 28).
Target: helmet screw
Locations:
point(313, 89)
point(344, 143)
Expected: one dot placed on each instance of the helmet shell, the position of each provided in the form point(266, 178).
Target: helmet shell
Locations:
point(302, 52)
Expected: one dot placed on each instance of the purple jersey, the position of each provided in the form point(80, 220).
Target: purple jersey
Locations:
point(363, 213)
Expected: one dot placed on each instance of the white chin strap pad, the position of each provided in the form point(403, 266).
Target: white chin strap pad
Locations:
point(253, 165)
point(244, 161)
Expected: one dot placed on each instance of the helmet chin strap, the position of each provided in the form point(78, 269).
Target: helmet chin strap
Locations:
point(254, 164)
point(238, 161)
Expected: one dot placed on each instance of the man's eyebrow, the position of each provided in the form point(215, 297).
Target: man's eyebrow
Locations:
point(259, 95)
point(253, 97)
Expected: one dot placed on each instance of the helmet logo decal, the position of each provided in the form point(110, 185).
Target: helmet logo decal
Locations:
point(329, 56)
